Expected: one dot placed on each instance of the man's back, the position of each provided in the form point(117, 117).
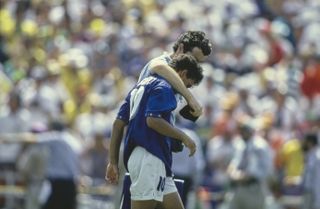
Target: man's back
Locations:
point(62, 162)
point(153, 97)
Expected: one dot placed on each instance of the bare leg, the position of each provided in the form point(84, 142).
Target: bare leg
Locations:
point(143, 204)
point(172, 201)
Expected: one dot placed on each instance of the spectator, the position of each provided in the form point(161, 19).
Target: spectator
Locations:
point(311, 172)
point(190, 171)
point(250, 169)
point(62, 168)
point(94, 156)
point(220, 151)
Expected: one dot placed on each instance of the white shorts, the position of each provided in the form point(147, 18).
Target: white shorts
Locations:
point(148, 176)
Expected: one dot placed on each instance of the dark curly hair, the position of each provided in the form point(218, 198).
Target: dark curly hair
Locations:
point(191, 39)
point(189, 63)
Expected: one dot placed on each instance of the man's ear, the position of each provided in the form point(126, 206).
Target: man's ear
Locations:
point(183, 73)
point(179, 51)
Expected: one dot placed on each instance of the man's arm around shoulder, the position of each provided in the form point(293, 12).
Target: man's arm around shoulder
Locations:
point(164, 70)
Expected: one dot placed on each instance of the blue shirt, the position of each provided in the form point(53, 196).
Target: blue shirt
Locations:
point(63, 159)
point(311, 180)
point(253, 157)
point(152, 97)
point(146, 72)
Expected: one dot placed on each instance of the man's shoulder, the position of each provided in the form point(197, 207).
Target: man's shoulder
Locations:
point(260, 143)
point(155, 81)
point(163, 83)
point(163, 59)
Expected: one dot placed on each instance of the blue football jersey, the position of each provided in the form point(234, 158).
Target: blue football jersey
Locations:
point(152, 97)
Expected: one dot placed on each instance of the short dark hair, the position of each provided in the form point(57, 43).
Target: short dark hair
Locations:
point(189, 63)
point(15, 96)
point(311, 138)
point(57, 125)
point(191, 39)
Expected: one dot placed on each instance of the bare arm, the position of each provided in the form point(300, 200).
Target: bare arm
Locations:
point(112, 173)
point(174, 79)
point(18, 138)
point(116, 137)
point(163, 127)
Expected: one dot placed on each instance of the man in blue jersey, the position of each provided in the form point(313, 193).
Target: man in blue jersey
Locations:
point(194, 43)
point(147, 113)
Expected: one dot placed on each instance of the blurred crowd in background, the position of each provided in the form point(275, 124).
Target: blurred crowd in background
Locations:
point(73, 61)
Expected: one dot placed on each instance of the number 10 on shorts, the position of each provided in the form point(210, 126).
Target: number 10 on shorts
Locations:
point(162, 182)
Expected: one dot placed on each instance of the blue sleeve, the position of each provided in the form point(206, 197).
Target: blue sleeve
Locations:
point(124, 111)
point(160, 101)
